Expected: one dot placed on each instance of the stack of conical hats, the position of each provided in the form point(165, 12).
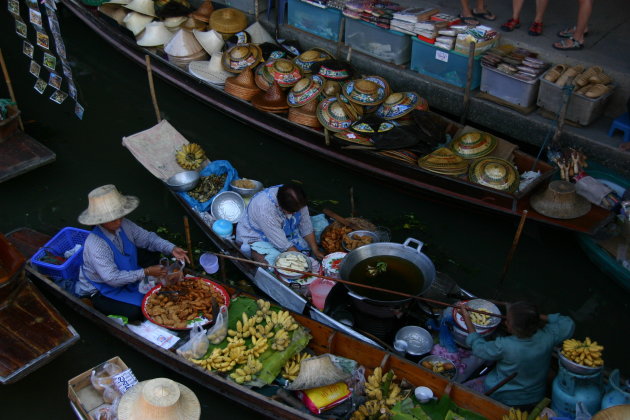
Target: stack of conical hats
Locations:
point(444, 161)
point(243, 85)
point(203, 12)
point(184, 48)
point(273, 100)
point(302, 99)
point(228, 21)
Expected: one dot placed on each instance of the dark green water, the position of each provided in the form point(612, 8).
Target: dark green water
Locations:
point(549, 267)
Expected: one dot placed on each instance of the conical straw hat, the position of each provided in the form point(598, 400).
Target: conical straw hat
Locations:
point(243, 85)
point(191, 24)
point(397, 105)
point(332, 115)
point(173, 23)
point(241, 56)
point(308, 58)
point(305, 115)
point(284, 72)
point(364, 92)
point(106, 204)
point(444, 161)
point(560, 201)
point(183, 44)
point(210, 71)
point(114, 11)
point(211, 40)
point(145, 7)
point(120, 2)
point(136, 22)
point(305, 91)
point(474, 145)
point(616, 412)
point(496, 173)
point(259, 34)
point(203, 12)
point(159, 399)
point(318, 371)
point(155, 34)
point(273, 100)
point(228, 21)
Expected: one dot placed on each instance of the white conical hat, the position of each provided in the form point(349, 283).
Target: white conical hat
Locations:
point(136, 22)
point(155, 34)
point(121, 2)
point(114, 11)
point(146, 7)
point(183, 44)
point(211, 40)
point(106, 204)
point(173, 23)
point(259, 34)
point(159, 399)
point(210, 71)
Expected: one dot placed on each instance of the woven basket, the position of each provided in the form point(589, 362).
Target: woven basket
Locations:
point(228, 21)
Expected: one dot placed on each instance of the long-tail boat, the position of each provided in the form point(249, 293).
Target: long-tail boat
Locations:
point(324, 340)
point(401, 174)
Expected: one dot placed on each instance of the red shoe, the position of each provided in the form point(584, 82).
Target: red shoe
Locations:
point(510, 25)
point(535, 29)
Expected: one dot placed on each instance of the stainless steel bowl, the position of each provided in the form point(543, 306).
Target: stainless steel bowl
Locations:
point(291, 274)
point(183, 181)
point(247, 192)
point(227, 205)
point(419, 341)
point(352, 234)
point(447, 373)
point(571, 366)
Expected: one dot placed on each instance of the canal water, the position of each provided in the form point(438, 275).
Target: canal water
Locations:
point(549, 268)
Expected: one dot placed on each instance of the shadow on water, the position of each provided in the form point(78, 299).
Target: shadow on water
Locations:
point(549, 268)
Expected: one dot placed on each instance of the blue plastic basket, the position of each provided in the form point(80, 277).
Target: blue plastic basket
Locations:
point(64, 240)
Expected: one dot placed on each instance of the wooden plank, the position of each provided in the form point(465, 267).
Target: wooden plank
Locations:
point(27, 240)
point(22, 153)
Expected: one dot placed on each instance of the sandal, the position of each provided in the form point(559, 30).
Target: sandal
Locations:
point(567, 44)
point(487, 15)
point(568, 33)
point(510, 25)
point(469, 20)
point(535, 29)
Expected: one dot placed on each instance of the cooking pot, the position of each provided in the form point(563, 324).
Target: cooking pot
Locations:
point(406, 251)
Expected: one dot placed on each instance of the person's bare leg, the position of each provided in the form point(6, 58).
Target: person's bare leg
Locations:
point(466, 12)
point(585, 7)
point(517, 6)
point(541, 6)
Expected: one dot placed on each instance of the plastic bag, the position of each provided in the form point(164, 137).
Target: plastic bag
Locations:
point(146, 284)
point(218, 167)
point(218, 332)
point(102, 378)
point(197, 346)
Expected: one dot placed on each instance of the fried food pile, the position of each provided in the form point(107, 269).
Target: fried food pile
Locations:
point(332, 237)
point(356, 240)
point(193, 298)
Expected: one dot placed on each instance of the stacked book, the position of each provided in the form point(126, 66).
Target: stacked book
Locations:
point(405, 20)
point(379, 13)
point(482, 36)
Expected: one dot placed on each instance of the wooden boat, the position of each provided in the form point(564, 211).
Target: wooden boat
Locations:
point(324, 340)
point(32, 332)
point(19, 152)
point(403, 175)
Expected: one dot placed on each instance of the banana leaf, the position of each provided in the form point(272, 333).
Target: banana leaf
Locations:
point(443, 409)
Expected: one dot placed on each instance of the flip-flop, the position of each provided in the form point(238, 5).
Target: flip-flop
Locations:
point(487, 15)
point(469, 20)
point(568, 32)
point(564, 44)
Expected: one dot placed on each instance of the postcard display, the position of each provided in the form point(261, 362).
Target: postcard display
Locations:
point(51, 71)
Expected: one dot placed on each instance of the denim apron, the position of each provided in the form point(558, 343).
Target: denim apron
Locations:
point(290, 226)
point(128, 261)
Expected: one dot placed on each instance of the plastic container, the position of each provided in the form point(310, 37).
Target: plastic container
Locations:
point(319, 291)
point(209, 262)
point(448, 66)
point(315, 20)
point(247, 6)
point(581, 109)
point(510, 89)
point(387, 45)
point(64, 240)
point(223, 228)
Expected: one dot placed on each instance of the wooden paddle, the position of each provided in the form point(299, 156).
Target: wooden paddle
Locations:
point(340, 219)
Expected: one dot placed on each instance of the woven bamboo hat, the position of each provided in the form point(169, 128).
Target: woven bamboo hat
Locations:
point(444, 161)
point(259, 34)
point(114, 11)
point(190, 24)
point(155, 34)
point(284, 72)
point(228, 21)
point(233, 40)
point(203, 12)
point(308, 58)
point(243, 85)
point(273, 100)
point(616, 412)
point(305, 115)
point(262, 78)
point(305, 91)
point(333, 69)
point(159, 399)
point(397, 105)
point(363, 92)
point(211, 40)
point(174, 22)
point(106, 204)
point(354, 138)
point(331, 88)
point(496, 173)
point(210, 71)
point(136, 22)
point(240, 57)
point(145, 7)
point(332, 115)
point(183, 44)
point(474, 145)
point(560, 201)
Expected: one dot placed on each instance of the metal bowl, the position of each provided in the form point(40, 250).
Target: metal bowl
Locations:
point(247, 192)
point(447, 373)
point(571, 366)
point(227, 205)
point(291, 274)
point(371, 234)
point(419, 341)
point(183, 181)
point(480, 305)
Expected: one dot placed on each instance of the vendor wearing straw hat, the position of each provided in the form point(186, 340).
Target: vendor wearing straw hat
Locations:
point(277, 220)
point(110, 273)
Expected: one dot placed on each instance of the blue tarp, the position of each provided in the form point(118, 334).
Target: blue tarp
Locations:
point(218, 167)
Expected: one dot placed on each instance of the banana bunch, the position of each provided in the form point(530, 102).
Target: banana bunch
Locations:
point(264, 307)
point(382, 387)
point(260, 345)
point(190, 156)
point(224, 360)
point(479, 319)
point(244, 327)
point(291, 368)
point(281, 340)
point(586, 353)
point(516, 414)
point(247, 372)
point(282, 319)
point(370, 410)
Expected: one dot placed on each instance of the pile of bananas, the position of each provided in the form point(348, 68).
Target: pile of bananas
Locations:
point(586, 353)
point(191, 156)
point(383, 393)
point(247, 372)
point(291, 368)
point(516, 414)
point(480, 319)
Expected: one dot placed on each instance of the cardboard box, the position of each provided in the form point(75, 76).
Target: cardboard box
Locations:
point(85, 397)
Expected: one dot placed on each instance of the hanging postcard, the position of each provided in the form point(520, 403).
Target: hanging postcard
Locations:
point(42, 40)
point(66, 69)
point(50, 61)
point(40, 86)
point(58, 96)
point(50, 4)
point(35, 17)
point(60, 47)
point(20, 28)
point(28, 49)
point(72, 90)
point(32, 4)
point(14, 7)
point(78, 110)
point(35, 68)
point(55, 80)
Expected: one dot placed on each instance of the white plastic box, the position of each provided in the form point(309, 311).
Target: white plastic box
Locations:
point(510, 89)
point(391, 46)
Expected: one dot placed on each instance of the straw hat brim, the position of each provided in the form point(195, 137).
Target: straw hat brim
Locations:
point(542, 204)
point(200, 70)
point(616, 412)
point(130, 204)
point(188, 404)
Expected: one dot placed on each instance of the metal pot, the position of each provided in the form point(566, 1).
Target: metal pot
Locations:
point(404, 251)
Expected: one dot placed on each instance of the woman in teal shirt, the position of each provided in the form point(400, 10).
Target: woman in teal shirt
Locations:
point(527, 352)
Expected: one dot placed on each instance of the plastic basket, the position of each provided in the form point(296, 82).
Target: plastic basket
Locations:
point(64, 240)
point(315, 20)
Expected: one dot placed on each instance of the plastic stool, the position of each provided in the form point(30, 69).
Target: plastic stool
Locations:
point(621, 123)
point(282, 6)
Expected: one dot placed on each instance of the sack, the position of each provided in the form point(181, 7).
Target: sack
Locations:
point(197, 346)
point(218, 167)
point(218, 332)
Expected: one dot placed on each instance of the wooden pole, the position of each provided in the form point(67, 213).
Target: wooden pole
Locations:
point(353, 209)
point(508, 261)
point(500, 384)
point(152, 89)
point(469, 72)
point(7, 79)
point(342, 25)
point(188, 241)
point(365, 286)
point(327, 136)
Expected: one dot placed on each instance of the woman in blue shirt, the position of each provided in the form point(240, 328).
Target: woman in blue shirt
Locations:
point(527, 352)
